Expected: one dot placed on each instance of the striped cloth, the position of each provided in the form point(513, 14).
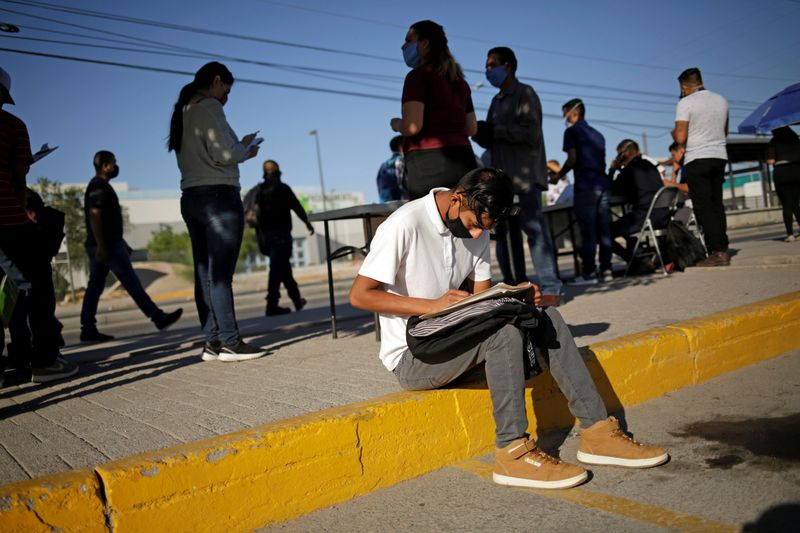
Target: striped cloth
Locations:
point(431, 326)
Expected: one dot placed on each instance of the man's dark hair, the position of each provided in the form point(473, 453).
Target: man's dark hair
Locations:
point(577, 103)
point(675, 146)
point(691, 77)
point(103, 157)
point(489, 191)
point(396, 143)
point(505, 55)
point(627, 144)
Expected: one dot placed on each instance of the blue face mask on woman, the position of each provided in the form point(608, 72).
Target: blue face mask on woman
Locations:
point(411, 55)
point(497, 75)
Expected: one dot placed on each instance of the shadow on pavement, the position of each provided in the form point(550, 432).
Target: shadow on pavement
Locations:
point(782, 518)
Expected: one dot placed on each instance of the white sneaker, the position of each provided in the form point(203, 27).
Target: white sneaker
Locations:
point(605, 276)
point(241, 351)
point(211, 351)
point(591, 279)
point(790, 238)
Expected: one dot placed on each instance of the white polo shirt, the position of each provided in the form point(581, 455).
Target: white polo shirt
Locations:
point(706, 112)
point(414, 254)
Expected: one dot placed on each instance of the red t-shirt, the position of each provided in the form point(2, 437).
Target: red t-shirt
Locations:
point(15, 148)
point(447, 104)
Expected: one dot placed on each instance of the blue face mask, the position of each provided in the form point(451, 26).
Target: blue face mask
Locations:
point(497, 75)
point(411, 56)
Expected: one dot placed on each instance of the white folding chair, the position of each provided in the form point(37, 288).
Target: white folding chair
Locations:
point(665, 197)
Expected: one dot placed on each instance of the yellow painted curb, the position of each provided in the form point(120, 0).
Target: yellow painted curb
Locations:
point(62, 502)
point(278, 471)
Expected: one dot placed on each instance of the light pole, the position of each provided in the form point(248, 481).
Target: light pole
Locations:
point(315, 133)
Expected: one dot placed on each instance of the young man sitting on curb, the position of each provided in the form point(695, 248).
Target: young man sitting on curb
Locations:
point(420, 257)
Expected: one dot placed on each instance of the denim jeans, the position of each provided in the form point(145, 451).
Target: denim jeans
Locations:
point(593, 214)
point(505, 374)
point(215, 219)
point(117, 261)
point(18, 243)
point(277, 245)
point(532, 222)
point(539, 242)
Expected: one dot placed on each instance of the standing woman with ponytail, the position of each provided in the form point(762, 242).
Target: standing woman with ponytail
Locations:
point(438, 117)
point(209, 153)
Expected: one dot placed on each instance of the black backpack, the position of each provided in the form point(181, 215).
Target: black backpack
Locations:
point(685, 249)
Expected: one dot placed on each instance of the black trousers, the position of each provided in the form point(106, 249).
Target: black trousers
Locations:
point(18, 243)
point(705, 178)
point(277, 245)
point(787, 185)
point(440, 167)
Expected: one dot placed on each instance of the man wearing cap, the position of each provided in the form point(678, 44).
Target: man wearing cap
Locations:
point(419, 261)
point(18, 238)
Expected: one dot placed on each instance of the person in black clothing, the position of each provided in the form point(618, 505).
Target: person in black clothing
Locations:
point(108, 251)
point(276, 201)
point(638, 182)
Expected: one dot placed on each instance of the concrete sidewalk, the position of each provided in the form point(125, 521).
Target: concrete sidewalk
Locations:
point(149, 390)
point(147, 387)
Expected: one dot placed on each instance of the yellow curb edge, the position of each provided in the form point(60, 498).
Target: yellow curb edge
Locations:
point(280, 470)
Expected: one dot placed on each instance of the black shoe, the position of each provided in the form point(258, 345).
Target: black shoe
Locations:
point(166, 320)
point(275, 311)
point(241, 351)
point(60, 369)
point(95, 336)
point(211, 351)
point(299, 304)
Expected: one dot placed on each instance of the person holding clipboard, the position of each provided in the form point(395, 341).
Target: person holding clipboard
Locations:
point(420, 261)
point(208, 153)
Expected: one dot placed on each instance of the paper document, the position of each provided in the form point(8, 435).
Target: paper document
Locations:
point(498, 291)
point(43, 151)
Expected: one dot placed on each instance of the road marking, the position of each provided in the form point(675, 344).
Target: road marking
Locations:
point(613, 504)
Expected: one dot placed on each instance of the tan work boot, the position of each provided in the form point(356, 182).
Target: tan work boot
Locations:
point(606, 444)
point(523, 464)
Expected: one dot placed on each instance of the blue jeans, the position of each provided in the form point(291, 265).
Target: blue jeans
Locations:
point(539, 242)
point(533, 224)
point(118, 261)
point(277, 245)
point(215, 219)
point(593, 215)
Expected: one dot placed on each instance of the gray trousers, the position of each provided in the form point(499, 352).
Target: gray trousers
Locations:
point(505, 374)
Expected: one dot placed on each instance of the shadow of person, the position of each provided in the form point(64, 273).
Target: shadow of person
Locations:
point(782, 518)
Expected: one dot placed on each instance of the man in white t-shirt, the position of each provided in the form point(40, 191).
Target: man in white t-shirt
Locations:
point(701, 124)
point(420, 259)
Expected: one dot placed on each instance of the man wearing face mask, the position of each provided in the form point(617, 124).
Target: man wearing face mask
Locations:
point(108, 251)
point(701, 124)
point(586, 156)
point(420, 259)
point(638, 182)
point(514, 127)
point(276, 202)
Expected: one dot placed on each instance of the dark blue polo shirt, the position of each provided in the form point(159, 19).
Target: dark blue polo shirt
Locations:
point(590, 147)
